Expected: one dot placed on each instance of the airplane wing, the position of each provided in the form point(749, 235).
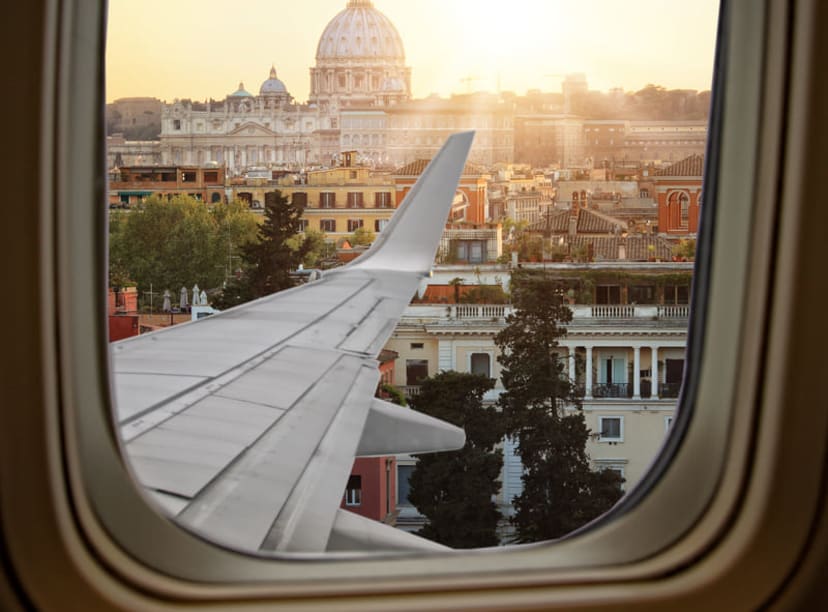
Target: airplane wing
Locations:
point(244, 425)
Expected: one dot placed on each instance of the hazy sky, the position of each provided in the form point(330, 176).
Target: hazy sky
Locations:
point(202, 48)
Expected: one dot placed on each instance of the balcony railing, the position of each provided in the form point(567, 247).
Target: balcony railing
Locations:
point(669, 390)
point(612, 390)
point(678, 311)
point(480, 311)
point(410, 390)
point(613, 311)
point(586, 313)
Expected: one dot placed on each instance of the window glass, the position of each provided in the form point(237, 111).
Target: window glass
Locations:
point(327, 199)
point(611, 428)
point(585, 167)
point(353, 491)
point(403, 487)
point(480, 364)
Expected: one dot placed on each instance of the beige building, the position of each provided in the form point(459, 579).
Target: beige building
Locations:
point(341, 200)
point(628, 359)
point(417, 129)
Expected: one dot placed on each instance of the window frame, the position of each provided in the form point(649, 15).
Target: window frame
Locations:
point(615, 439)
point(100, 515)
point(470, 359)
point(353, 494)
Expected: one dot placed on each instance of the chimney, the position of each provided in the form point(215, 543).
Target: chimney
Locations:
point(574, 211)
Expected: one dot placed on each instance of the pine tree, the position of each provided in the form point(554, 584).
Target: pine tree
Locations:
point(541, 407)
point(454, 489)
point(269, 261)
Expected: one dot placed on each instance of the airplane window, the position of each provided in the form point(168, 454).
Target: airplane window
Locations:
point(566, 279)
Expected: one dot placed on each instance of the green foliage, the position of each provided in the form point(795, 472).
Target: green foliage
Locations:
point(269, 261)
point(454, 489)
point(314, 244)
point(394, 395)
point(485, 294)
point(528, 246)
point(560, 491)
point(651, 102)
point(580, 253)
point(456, 283)
point(685, 249)
point(177, 242)
point(362, 236)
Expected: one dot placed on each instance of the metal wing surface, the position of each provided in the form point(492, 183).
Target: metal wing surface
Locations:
point(244, 425)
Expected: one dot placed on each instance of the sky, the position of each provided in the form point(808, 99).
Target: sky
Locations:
point(200, 49)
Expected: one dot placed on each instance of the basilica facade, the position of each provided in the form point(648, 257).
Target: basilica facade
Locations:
point(360, 64)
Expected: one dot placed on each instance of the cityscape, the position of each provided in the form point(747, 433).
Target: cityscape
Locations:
point(599, 192)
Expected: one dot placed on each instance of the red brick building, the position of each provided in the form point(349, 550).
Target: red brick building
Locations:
point(131, 184)
point(123, 313)
point(679, 193)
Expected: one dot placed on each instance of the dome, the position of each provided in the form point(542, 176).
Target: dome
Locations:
point(360, 32)
point(241, 92)
point(272, 85)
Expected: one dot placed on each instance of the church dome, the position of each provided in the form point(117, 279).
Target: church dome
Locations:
point(272, 85)
point(360, 32)
point(241, 92)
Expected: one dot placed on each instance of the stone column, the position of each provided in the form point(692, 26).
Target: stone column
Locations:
point(572, 373)
point(654, 371)
point(588, 381)
point(636, 372)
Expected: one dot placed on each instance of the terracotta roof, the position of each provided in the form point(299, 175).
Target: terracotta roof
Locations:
point(589, 222)
point(593, 222)
point(606, 247)
point(689, 166)
point(417, 167)
point(558, 222)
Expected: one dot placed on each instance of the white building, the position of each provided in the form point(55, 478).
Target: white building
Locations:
point(360, 63)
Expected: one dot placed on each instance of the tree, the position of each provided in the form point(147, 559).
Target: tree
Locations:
point(362, 236)
point(178, 242)
point(315, 245)
point(541, 407)
point(454, 489)
point(269, 261)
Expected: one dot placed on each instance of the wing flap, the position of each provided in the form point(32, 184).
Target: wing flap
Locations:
point(240, 507)
point(354, 533)
point(391, 429)
point(305, 522)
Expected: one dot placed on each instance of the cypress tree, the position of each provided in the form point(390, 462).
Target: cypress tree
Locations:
point(269, 261)
point(542, 410)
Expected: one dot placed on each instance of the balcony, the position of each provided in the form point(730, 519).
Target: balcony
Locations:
point(612, 390)
point(623, 317)
point(669, 390)
point(631, 311)
point(410, 391)
point(479, 311)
